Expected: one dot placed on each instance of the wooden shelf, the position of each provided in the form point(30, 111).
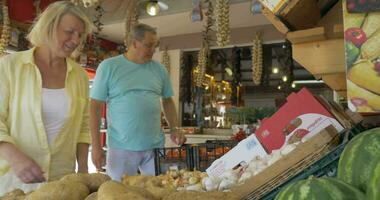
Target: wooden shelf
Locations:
point(314, 34)
point(321, 57)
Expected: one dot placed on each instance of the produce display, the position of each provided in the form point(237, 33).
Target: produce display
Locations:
point(373, 186)
point(320, 188)
point(359, 158)
point(358, 174)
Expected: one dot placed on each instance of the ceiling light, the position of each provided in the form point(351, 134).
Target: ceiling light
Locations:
point(279, 87)
point(293, 85)
point(228, 71)
point(284, 78)
point(152, 8)
point(308, 82)
point(275, 70)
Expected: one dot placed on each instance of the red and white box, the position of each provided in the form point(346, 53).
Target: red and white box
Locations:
point(300, 118)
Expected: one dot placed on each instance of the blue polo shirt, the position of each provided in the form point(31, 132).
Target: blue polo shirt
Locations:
point(133, 93)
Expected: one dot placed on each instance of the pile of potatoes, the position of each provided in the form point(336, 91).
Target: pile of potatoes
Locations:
point(99, 186)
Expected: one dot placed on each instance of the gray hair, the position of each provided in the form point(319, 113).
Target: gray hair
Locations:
point(138, 32)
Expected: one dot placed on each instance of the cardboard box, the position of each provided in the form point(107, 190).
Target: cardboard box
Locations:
point(245, 151)
point(300, 118)
point(289, 165)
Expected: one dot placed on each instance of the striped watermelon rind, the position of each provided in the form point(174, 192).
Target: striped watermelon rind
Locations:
point(373, 187)
point(358, 159)
point(325, 188)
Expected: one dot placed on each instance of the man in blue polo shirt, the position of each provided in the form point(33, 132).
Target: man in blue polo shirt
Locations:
point(133, 86)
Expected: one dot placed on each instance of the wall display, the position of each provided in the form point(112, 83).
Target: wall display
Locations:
point(362, 36)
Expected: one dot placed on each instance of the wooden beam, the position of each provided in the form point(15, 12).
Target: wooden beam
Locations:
point(338, 31)
point(275, 21)
point(336, 81)
point(301, 14)
point(321, 57)
point(332, 22)
point(308, 35)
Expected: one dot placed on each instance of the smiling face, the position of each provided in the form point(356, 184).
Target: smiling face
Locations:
point(146, 47)
point(68, 35)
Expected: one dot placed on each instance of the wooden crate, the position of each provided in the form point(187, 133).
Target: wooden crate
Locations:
point(288, 166)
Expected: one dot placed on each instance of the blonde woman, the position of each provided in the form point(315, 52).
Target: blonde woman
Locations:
point(44, 102)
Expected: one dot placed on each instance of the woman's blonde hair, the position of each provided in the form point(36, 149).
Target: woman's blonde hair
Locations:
point(44, 29)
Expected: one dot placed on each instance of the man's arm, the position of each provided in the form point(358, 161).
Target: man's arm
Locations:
point(171, 117)
point(82, 156)
point(97, 153)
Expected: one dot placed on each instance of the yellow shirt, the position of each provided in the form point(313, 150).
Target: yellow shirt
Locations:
point(20, 115)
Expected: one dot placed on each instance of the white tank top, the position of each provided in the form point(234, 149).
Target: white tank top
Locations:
point(55, 108)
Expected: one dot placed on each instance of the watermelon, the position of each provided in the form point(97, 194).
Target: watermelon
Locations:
point(325, 188)
point(373, 187)
point(358, 159)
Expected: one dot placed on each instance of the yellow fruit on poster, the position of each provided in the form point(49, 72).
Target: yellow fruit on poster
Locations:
point(361, 98)
point(364, 74)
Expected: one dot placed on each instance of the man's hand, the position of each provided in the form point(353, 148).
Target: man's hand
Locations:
point(177, 136)
point(98, 157)
point(26, 169)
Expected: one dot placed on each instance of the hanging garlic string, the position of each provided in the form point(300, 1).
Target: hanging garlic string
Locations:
point(222, 22)
point(204, 51)
point(131, 19)
point(36, 4)
point(5, 34)
point(166, 59)
point(257, 60)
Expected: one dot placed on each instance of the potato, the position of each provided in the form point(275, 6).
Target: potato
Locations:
point(16, 194)
point(60, 190)
point(92, 196)
point(112, 190)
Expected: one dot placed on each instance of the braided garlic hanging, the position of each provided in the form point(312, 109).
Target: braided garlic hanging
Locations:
point(257, 60)
point(166, 59)
point(4, 40)
point(201, 67)
point(222, 19)
point(131, 19)
point(203, 52)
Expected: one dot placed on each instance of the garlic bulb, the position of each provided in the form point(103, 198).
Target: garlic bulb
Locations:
point(210, 183)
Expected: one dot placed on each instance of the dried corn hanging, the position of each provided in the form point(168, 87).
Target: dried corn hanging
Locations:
point(222, 19)
point(257, 60)
point(131, 19)
point(4, 40)
point(166, 59)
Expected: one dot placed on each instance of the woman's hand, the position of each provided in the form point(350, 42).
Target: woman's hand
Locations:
point(26, 169)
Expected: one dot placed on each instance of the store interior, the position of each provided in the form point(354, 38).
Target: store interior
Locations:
point(269, 66)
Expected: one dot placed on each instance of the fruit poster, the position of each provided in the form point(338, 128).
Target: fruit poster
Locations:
point(362, 45)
